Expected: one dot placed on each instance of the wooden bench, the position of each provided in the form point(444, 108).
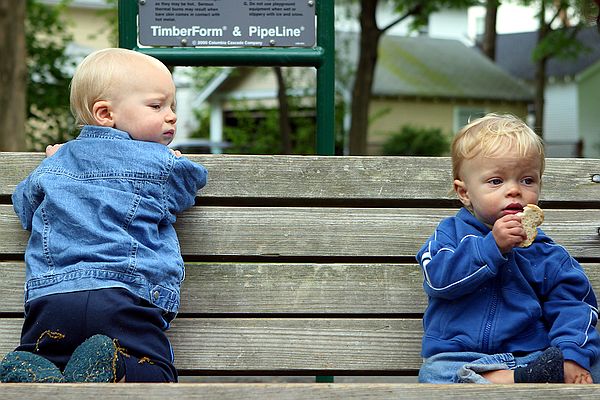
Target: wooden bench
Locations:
point(299, 266)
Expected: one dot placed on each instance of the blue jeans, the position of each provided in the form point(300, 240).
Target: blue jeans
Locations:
point(467, 367)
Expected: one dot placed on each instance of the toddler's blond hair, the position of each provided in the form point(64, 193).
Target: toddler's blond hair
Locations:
point(100, 76)
point(495, 135)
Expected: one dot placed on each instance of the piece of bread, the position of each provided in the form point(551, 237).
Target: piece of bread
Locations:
point(531, 217)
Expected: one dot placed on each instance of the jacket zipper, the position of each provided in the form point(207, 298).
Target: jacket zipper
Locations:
point(488, 326)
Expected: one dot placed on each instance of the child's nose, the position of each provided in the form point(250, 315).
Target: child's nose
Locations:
point(172, 117)
point(513, 189)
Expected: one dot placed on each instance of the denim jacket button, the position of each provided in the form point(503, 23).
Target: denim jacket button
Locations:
point(156, 295)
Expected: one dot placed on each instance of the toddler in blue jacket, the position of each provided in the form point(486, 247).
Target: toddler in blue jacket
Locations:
point(498, 312)
point(103, 264)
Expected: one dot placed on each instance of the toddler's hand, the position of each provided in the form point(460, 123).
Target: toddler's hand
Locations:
point(176, 153)
point(508, 232)
point(574, 373)
point(52, 148)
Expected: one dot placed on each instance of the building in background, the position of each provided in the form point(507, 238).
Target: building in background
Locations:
point(572, 100)
point(88, 21)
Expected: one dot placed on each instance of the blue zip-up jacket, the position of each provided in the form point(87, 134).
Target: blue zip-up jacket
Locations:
point(526, 300)
point(101, 213)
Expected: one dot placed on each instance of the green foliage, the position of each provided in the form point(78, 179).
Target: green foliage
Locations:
point(202, 115)
point(559, 39)
point(49, 118)
point(414, 141)
point(561, 44)
point(257, 132)
point(201, 76)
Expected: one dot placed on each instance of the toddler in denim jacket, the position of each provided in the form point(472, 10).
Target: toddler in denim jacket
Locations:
point(103, 264)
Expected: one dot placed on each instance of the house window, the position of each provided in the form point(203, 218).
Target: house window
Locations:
point(463, 115)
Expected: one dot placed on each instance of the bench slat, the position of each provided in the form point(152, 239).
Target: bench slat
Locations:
point(296, 391)
point(362, 178)
point(262, 289)
point(326, 232)
point(240, 288)
point(268, 346)
point(271, 345)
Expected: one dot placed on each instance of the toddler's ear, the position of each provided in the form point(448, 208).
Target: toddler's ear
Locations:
point(461, 190)
point(102, 112)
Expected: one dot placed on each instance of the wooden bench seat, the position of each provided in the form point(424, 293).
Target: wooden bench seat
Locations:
point(305, 265)
point(296, 391)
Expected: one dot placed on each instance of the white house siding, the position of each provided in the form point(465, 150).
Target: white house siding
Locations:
point(589, 98)
point(511, 18)
point(561, 114)
point(444, 24)
point(449, 24)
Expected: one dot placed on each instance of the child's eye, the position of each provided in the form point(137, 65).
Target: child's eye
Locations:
point(528, 181)
point(495, 181)
point(155, 106)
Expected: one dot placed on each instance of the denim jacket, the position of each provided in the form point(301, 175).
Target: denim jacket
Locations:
point(101, 213)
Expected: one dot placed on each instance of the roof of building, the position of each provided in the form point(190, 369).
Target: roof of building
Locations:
point(514, 55)
point(423, 67)
point(441, 68)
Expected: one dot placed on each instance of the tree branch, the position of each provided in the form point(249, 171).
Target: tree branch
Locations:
point(417, 9)
point(560, 7)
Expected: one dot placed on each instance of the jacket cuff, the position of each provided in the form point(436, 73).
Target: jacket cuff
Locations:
point(490, 254)
point(574, 353)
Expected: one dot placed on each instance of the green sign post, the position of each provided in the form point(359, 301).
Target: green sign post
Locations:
point(320, 56)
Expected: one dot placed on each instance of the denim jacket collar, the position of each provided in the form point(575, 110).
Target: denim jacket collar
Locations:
point(102, 132)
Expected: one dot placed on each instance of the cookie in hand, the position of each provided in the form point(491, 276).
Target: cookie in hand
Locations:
point(531, 217)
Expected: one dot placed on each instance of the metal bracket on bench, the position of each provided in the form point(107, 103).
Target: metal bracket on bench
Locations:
point(324, 379)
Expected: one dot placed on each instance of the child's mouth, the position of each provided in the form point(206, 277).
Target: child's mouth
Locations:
point(513, 208)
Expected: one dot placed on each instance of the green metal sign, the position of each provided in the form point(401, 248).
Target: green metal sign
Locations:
point(264, 23)
point(320, 55)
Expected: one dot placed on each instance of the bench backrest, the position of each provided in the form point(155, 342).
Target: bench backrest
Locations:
point(305, 264)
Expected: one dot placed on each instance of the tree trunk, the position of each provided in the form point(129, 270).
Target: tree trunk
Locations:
point(489, 36)
point(361, 93)
point(540, 90)
point(13, 75)
point(540, 76)
point(285, 127)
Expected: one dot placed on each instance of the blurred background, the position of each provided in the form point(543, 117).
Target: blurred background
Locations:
point(409, 74)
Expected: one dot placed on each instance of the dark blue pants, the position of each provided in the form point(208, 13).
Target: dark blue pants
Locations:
point(117, 313)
